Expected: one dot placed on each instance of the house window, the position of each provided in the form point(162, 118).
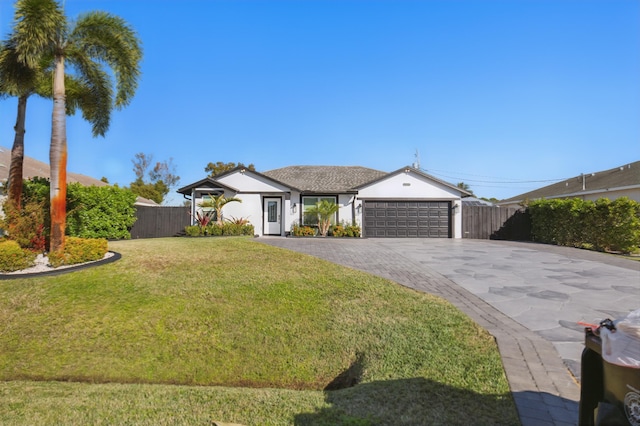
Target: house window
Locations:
point(308, 203)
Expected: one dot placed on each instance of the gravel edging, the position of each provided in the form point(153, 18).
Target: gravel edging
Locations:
point(111, 256)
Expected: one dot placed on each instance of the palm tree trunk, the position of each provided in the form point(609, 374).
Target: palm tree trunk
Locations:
point(17, 155)
point(58, 160)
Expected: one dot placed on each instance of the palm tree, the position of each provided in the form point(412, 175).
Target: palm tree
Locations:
point(95, 40)
point(217, 203)
point(464, 187)
point(325, 211)
point(21, 78)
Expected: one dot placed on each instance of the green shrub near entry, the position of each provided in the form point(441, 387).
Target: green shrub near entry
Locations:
point(338, 231)
point(215, 230)
point(193, 231)
point(303, 231)
point(602, 225)
point(79, 250)
point(13, 257)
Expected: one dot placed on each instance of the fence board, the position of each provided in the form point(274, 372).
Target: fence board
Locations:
point(160, 221)
point(491, 222)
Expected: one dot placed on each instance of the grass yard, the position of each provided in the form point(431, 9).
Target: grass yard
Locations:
point(189, 331)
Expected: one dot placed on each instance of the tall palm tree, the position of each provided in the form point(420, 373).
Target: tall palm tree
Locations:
point(21, 81)
point(22, 75)
point(96, 40)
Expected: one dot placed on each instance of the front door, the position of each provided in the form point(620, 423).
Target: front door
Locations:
point(272, 216)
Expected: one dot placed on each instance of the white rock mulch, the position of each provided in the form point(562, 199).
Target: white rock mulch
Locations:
point(42, 265)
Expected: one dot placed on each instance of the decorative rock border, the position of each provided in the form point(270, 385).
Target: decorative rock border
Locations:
point(116, 256)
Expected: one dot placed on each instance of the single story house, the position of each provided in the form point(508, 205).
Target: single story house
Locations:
point(623, 181)
point(403, 203)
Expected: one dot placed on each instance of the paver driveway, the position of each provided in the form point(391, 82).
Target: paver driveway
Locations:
point(529, 296)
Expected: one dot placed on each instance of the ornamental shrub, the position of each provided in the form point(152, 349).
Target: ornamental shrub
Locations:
point(303, 231)
point(79, 250)
point(92, 211)
point(25, 226)
point(15, 258)
point(100, 211)
point(352, 231)
point(193, 231)
point(215, 230)
point(338, 231)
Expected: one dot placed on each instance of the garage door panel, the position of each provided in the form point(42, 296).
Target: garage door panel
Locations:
point(407, 219)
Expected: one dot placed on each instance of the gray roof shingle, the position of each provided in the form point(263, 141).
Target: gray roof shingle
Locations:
point(324, 179)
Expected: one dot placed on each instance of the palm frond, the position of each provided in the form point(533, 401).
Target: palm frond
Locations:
point(109, 39)
point(38, 26)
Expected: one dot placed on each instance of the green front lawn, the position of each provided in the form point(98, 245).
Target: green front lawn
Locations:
point(251, 333)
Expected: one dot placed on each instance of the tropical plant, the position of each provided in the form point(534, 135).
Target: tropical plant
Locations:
point(94, 41)
point(464, 187)
point(21, 79)
point(325, 210)
point(217, 202)
point(203, 217)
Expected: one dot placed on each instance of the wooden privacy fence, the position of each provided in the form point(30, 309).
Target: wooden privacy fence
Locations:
point(160, 221)
point(495, 223)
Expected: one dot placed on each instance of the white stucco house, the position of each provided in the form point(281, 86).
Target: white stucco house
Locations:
point(403, 203)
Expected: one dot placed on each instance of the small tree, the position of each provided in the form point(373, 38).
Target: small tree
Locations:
point(325, 210)
point(216, 168)
point(161, 178)
point(217, 203)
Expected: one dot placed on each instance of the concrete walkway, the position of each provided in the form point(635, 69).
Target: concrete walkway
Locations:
point(528, 296)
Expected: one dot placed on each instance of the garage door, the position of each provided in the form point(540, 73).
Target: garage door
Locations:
point(402, 219)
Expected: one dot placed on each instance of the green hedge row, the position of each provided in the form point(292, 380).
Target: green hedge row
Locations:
point(92, 211)
point(601, 225)
point(226, 229)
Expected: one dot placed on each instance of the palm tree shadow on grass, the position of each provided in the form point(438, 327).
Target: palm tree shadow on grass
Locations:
point(411, 402)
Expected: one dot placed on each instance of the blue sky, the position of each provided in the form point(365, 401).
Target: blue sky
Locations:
point(505, 95)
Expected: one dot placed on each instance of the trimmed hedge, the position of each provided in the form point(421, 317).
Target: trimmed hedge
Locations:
point(15, 258)
point(79, 250)
point(227, 229)
point(92, 211)
point(100, 211)
point(603, 225)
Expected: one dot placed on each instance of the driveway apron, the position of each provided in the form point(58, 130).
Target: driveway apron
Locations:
point(530, 297)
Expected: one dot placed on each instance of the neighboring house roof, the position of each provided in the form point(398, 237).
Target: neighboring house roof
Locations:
point(473, 201)
point(141, 201)
point(619, 178)
point(324, 179)
point(34, 168)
